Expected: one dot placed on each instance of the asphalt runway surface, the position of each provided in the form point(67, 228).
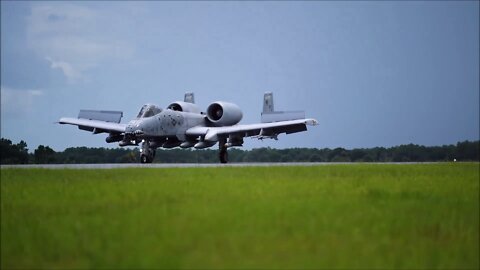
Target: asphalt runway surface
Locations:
point(183, 165)
point(155, 165)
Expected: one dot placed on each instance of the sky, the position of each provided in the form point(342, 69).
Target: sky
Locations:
point(372, 73)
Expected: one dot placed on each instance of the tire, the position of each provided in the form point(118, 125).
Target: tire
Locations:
point(223, 155)
point(146, 159)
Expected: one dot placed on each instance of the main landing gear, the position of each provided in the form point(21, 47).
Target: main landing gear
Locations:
point(147, 153)
point(223, 153)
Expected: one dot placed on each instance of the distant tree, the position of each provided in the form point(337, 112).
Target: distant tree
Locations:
point(405, 153)
point(466, 151)
point(316, 158)
point(236, 155)
point(339, 155)
point(380, 154)
point(13, 153)
point(357, 154)
point(127, 157)
point(18, 153)
point(44, 155)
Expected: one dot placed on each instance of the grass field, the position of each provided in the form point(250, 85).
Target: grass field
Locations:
point(331, 216)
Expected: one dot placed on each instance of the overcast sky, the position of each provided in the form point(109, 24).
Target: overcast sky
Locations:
point(372, 73)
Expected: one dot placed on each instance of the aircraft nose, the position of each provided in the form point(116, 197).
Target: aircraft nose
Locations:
point(129, 128)
point(132, 127)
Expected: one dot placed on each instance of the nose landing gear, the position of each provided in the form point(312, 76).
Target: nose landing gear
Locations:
point(147, 153)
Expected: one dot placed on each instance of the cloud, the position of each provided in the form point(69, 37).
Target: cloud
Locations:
point(18, 101)
point(67, 69)
point(75, 39)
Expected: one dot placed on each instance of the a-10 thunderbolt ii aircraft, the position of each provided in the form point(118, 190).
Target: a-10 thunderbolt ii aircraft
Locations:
point(184, 125)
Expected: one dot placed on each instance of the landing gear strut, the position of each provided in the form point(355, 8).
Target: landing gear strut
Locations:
point(223, 153)
point(147, 154)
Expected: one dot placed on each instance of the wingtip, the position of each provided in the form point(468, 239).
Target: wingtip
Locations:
point(60, 121)
point(311, 122)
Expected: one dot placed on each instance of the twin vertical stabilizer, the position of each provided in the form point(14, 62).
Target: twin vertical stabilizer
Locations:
point(189, 97)
point(269, 114)
point(268, 103)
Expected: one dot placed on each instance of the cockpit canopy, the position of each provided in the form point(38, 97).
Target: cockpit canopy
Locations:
point(149, 110)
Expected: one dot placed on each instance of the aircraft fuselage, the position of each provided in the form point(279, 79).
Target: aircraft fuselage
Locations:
point(168, 123)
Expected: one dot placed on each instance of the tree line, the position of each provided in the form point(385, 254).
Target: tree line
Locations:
point(11, 153)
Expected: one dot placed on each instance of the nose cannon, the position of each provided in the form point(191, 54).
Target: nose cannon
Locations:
point(132, 132)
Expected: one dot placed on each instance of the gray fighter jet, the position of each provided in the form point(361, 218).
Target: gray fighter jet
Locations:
point(184, 125)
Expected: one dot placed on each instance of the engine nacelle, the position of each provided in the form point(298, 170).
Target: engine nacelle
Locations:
point(114, 138)
point(181, 106)
point(222, 113)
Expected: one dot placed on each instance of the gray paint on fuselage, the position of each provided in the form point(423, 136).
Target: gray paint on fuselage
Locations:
point(170, 123)
point(187, 120)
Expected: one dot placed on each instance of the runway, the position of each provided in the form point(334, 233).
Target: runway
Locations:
point(156, 165)
point(183, 165)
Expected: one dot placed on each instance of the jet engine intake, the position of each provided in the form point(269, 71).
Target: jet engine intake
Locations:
point(223, 114)
point(184, 107)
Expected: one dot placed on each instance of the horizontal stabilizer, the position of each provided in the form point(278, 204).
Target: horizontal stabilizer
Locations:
point(269, 117)
point(107, 116)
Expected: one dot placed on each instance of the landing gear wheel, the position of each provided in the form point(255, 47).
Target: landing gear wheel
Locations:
point(223, 155)
point(147, 154)
point(146, 159)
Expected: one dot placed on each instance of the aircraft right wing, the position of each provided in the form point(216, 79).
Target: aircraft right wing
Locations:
point(96, 126)
point(260, 130)
point(97, 121)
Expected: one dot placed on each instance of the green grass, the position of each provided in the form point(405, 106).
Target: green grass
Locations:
point(331, 216)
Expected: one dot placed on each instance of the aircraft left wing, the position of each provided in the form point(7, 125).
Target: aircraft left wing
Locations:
point(260, 130)
point(96, 126)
